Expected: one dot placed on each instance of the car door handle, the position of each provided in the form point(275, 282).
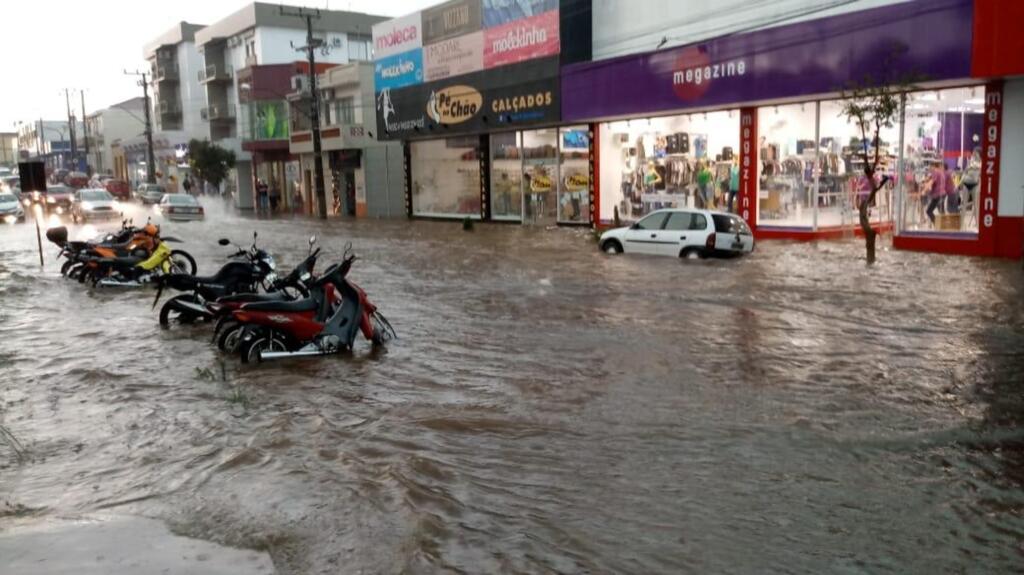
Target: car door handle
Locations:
point(654, 235)
point(682, 237)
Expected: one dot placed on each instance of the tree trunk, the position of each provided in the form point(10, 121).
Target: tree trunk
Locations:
point(869, 233)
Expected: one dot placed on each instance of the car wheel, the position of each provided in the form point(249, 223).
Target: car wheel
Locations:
point(611, 247)
point(691, 254)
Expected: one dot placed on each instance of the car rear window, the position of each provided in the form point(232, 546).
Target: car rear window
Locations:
point(181, 199)
point(730, 224)
point(96, 196)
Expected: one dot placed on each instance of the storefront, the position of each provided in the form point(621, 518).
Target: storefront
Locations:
point(753, 123)
point(472, 89)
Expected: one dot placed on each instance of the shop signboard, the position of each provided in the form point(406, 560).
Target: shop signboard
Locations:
point(398, 71)
point(451, 19)
point(453, 57)
point(520, 40)
point(930, 39)
point(397, 36)
point(991, 146)
point(498, 12)
point(521, 94)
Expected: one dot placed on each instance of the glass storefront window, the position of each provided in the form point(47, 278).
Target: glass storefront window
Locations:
point(446, 177)
point(839, 195)
point(574, 175)
point(676, 161)
point(540, 175)
point(265, 120)
point(942, 135)
point(506, 177)
point(788, 155)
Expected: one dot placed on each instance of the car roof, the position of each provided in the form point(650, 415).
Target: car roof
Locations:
point(694, 211)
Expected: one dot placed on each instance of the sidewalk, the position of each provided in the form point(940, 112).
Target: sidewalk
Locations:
point(117, 545)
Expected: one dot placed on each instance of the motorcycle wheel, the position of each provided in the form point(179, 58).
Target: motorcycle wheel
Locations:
point(64, 267)
point(171, 312)
point(183, 263)
point(75, 271)
point(228, 336)
point(251, 351)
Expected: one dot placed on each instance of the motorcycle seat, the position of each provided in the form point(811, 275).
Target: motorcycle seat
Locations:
point(253, 297)
point(308, 304)
point(126, 261)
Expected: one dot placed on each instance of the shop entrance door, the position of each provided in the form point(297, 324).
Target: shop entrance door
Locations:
point(350, 193)
point(540, 177)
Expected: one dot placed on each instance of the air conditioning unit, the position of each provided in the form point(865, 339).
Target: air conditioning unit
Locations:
point(300, 84)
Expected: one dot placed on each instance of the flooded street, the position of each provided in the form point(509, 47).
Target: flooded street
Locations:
point(547, 408)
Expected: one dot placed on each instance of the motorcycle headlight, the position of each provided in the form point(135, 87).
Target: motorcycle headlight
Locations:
point(270, 263)
point(305, 276)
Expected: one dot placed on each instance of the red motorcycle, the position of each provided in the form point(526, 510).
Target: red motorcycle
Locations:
point(326, 322)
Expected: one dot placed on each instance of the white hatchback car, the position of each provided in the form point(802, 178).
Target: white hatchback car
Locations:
point(683, 233)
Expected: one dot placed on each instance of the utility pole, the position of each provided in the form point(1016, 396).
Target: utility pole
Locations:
point(150, 162)
point(314, 102)
point(85, 134)
point(71, 125)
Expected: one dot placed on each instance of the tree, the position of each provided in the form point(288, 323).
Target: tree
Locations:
point(873, 105)
point(209, 161)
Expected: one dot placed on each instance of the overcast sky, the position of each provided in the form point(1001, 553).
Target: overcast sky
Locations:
point(48, 45)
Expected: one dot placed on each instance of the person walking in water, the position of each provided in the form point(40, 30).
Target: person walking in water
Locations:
point(937, 190)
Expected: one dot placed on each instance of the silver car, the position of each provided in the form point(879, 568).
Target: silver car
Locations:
point(94, 204)
point(10, 209)
point(181, 207)
point(150, 193)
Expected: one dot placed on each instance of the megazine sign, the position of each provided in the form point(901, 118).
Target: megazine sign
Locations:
point(521, 94)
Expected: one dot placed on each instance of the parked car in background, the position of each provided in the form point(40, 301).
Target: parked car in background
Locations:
point(93, 204)
point(57, 176)
point(181, 207)
point(58, 198)
point(8, 182)
point(118, 188)
point(682, 233)
point(11, 210)
point(150, 193)
point(77, 180)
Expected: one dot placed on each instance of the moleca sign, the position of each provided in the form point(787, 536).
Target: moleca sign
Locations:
point(454, 104)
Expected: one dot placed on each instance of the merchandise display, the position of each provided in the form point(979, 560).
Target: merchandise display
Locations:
point(541, 176)
point(668, 162)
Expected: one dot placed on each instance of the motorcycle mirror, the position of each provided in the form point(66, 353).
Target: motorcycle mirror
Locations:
point(312, 239)
point(254, 236)
point(224, 242)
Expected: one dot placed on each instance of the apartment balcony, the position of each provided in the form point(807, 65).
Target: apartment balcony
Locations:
point(215, 73)
point(218, 113)
point(165, 72)
point(166, 55)
point(169, 108)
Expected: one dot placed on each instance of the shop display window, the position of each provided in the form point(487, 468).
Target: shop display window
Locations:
point(574, 175)
point(789, 165)
point(942, 129)
point(506, 177)
point(540, 175)
point(446, 177)
point(670, 162)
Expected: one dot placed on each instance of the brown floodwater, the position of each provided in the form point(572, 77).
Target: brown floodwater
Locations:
point(547, 409)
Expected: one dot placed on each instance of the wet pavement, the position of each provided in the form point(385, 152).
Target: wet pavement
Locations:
point(547, 409)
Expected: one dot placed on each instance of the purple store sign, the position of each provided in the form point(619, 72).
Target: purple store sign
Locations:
point(929, 38)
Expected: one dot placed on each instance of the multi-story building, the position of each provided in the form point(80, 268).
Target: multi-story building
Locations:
point(364, 174)
point(48, 141)
point(176, 102)
point(122, 121)
point(8, 149)
point(249, 59)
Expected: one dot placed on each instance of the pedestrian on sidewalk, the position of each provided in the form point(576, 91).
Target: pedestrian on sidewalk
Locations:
point(936, 190)
point(187, 185)
point(275, 195)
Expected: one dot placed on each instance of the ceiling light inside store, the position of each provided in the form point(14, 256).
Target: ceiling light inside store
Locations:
point(776, 110)
point(974, 101)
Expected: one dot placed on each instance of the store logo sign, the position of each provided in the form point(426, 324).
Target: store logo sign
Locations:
point(399, 71)
point(397, 36)
point(522, 103)
point(454, 57)
point(522, 40)
point(454, 105)
point(693, 72)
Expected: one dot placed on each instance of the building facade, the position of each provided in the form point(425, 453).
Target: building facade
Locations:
point(363, 174)
point(122, 121)
point(8, 149)
point(48, 141)
point(237, 90)
point(684, 104)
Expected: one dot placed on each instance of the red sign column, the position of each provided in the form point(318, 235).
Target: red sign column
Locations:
point(748, 167)
point(988, 198)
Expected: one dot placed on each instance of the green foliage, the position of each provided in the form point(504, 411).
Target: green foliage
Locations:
point(209, 161)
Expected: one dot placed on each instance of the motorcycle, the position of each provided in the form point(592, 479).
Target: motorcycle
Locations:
point(324, 323)
point(86, 259)
point(136, 271)
point(291, 287)
point(249, 270)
